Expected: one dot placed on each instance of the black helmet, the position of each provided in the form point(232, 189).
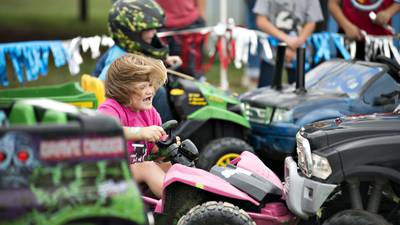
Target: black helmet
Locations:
point(128, 18)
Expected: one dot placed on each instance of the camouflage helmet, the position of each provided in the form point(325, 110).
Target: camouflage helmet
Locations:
point(128, 18)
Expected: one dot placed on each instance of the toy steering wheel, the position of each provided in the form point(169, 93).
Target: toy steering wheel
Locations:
point(168, 126)
point(185, 153)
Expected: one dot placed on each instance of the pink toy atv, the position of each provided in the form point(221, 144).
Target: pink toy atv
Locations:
point(243, 193)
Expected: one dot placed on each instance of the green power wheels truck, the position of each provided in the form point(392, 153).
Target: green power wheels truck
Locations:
point(63, 165)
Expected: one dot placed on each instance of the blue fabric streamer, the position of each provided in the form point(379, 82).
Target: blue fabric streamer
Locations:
point(317, 44)
point(3, 69)
point(44, 61)
point(59, 54)
point(321, 42)
point(337, 39)
point(30, 59)
point(325, 45)
point(15, 55)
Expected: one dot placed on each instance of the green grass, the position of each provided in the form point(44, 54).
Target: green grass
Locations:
point(50, 19)
point(28, 20)
point(61, 75)
point(234, 77)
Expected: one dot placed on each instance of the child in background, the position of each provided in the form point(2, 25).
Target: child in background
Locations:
point(133, 26)
point(182, 15)
point(131, 83)
point(354, 21)
point(290, 21)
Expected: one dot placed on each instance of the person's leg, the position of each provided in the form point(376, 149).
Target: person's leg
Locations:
point(161, 103)
point(252, 69)
point(150, 173)
point(193, 52)
point(266, 74)
point(360, 52)
point(291, 75)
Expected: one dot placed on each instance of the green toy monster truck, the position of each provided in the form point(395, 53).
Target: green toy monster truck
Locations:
point(64, 165)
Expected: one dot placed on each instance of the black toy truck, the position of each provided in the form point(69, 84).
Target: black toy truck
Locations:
point(347, 171)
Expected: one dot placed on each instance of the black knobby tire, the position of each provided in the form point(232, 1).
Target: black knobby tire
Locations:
point(216, 213)
point(356, 217)
point(217, 148)
point(341, 201)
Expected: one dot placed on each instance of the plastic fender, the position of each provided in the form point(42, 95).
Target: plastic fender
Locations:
point(251, 162)
point(211, 112)
point(319, 114)
point(204, 180)
point(216, 96)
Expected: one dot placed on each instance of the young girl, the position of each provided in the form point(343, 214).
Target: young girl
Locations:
point(130, 85)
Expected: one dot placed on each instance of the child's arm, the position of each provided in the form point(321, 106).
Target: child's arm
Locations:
point(351, 30)
point(383, 17)
point(201, 5)
point(151, 133)
point(265, 25)
point(306, 31)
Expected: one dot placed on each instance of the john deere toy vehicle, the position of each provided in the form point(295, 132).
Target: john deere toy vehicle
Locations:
point(64, 165)
point(211, 118)
point(70, 92)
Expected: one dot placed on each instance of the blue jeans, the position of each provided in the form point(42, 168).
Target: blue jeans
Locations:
point(161, 103)
point(253, 63)
point(267, 72)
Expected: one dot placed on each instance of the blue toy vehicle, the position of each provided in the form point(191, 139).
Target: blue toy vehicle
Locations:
point(332, 89)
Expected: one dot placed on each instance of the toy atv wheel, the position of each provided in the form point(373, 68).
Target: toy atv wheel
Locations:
point(356, 217)
point(221, 151)
point(216, 213)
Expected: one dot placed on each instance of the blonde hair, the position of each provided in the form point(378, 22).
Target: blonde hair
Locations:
point(129, 69)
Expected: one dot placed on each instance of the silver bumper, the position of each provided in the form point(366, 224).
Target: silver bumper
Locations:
point(303, 196)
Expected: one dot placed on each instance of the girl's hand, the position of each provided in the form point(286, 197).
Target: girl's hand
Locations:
point(178, 140)
point(151, 133)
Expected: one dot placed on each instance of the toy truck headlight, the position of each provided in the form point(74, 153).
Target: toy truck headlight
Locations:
point(257, 114)
point(304, 154)
point(244, 107)
point(282, 115)
point(320, 167)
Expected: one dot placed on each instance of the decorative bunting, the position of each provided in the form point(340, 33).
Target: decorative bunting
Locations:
point(231, 43)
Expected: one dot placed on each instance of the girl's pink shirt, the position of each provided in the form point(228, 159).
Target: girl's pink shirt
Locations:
point(129, 118)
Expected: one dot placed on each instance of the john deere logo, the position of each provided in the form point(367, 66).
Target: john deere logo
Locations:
point(196, 99)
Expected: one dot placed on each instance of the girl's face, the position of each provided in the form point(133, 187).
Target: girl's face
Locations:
point(143, 97)
point(148, 35)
